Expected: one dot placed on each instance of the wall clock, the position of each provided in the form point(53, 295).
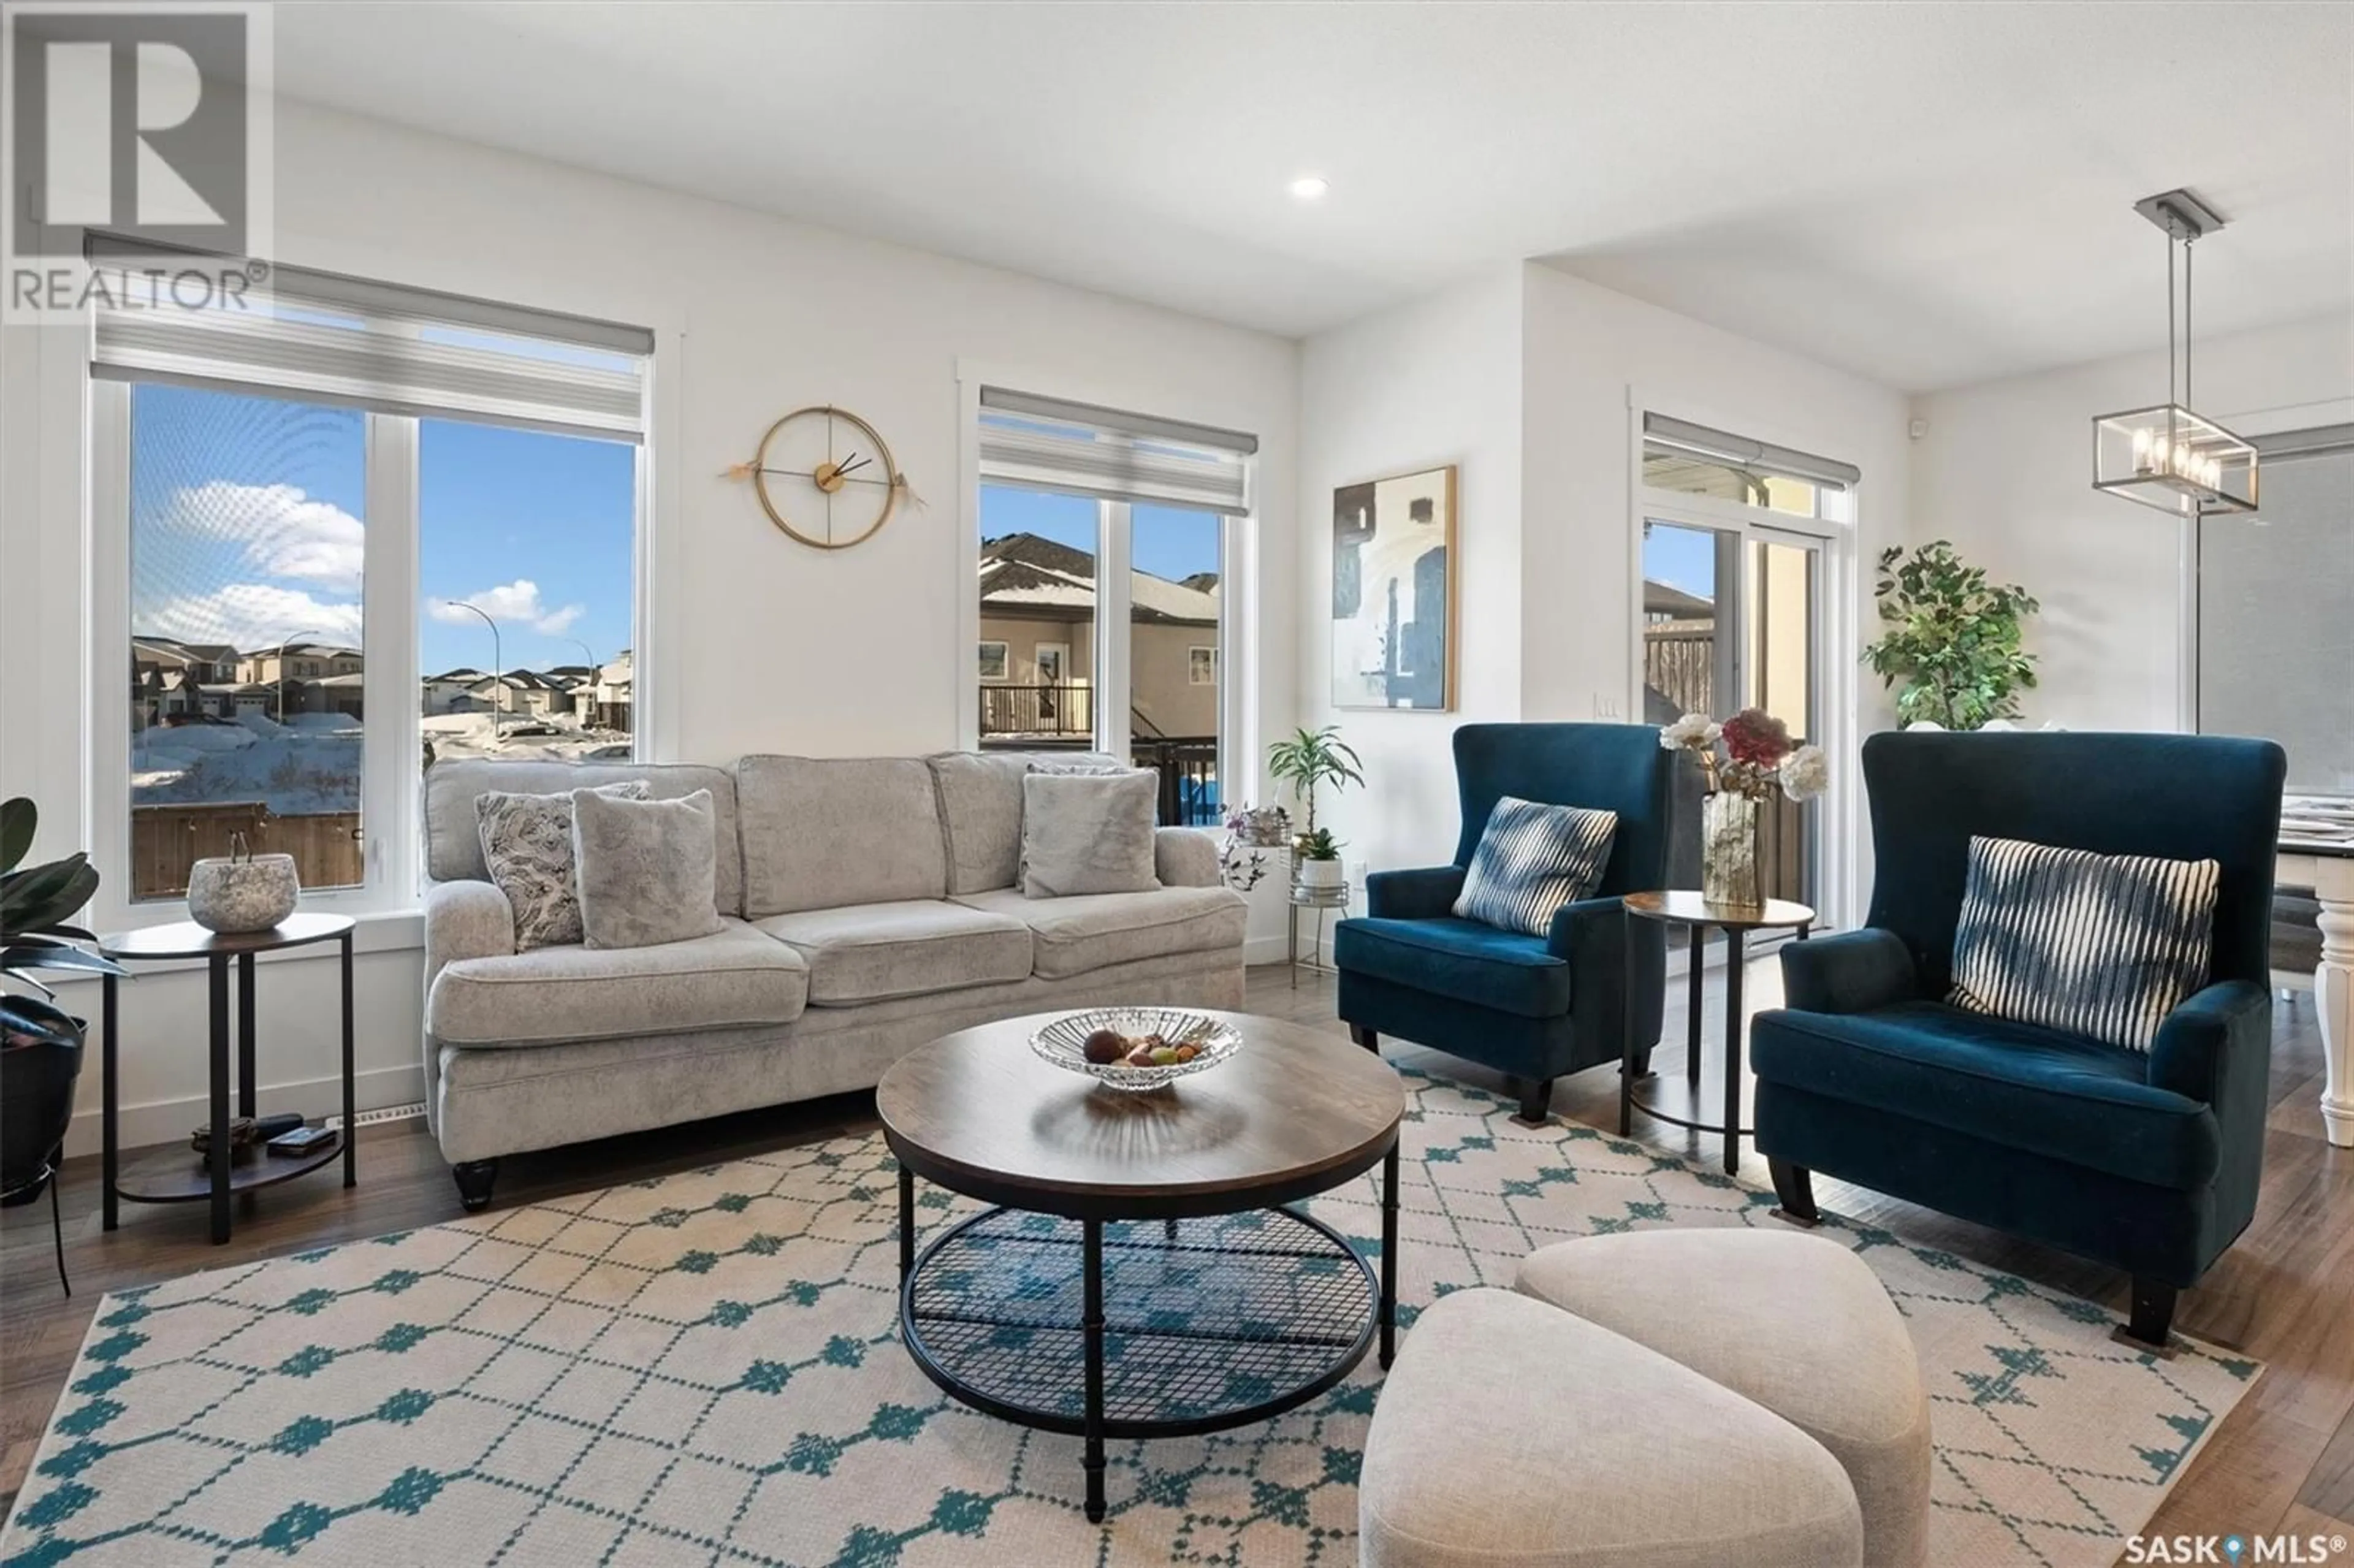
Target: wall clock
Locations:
point(825, 477)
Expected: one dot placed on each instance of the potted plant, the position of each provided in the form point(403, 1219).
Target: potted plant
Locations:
point(1319, 862)
point(1309, 758)
point(1745, 760)
point(40, 1042)
point(1952, 638)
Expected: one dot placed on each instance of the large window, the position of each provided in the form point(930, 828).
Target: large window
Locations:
point(2275, 600)
point(365, 531)
point(1102, 586)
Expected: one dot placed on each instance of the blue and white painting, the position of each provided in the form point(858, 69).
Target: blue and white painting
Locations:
point(1393, 592)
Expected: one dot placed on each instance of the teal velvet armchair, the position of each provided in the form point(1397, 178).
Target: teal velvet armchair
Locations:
point(1534, 1008)
point(2149, 1160)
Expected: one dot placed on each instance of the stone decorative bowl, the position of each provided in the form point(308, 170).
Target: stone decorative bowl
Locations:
point(241, 891)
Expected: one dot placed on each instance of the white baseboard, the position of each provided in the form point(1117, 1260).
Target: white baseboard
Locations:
point(170, 1121)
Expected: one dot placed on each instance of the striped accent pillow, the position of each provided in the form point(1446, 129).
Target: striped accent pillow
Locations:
point(1532, 860)
point(2100, 944)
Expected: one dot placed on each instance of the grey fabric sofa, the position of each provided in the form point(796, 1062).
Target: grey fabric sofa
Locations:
point(868, 906)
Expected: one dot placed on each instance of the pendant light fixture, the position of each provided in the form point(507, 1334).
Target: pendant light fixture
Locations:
point(2168, 456)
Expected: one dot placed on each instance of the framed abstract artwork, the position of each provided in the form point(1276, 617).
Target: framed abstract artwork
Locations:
point(1393, 592)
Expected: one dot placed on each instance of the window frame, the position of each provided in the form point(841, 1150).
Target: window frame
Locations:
point(1239, 773)
point(392, 680)
point(1837, 645)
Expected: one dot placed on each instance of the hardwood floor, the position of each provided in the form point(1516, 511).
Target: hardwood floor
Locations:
point(2283, 1461)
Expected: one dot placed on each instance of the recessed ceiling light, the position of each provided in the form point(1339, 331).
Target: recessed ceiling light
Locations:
point(1310, 187)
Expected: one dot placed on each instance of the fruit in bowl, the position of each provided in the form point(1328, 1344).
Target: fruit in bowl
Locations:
point(1135, 1047)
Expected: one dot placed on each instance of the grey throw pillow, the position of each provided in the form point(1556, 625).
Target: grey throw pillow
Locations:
point(649, 869)
point(527, 845)
point(1088, 833)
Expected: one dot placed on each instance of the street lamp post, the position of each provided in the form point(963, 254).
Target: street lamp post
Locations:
point(498, 659)
point(595, 673)
point(284, 644)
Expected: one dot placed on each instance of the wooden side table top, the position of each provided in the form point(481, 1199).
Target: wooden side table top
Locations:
point(1689, 908)
point(1291, 1105)
point(186, 940)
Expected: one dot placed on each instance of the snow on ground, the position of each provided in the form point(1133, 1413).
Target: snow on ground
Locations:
point(310, 765)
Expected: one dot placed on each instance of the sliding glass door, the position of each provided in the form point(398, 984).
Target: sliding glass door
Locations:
point(1732, 619)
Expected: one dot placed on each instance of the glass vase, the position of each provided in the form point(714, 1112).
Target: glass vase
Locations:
point(1728, 850)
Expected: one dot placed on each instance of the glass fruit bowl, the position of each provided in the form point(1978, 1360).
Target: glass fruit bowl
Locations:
point(1196, 1041)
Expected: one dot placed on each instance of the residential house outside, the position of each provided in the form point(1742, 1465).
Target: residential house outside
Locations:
point(1038, 600)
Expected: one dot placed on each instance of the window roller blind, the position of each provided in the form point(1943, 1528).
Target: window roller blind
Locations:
point(1741, 452)
point(1106, 454)
point(327, 339)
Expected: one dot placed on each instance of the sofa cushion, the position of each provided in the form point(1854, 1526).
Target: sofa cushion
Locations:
point(1088, 833)
point(825, 832)
point(1460, 958)
point(2070, 1098)
point(733, 979)
point(645, 868)
point(1074, 936)
point(980, 811)
point(453, 844)
point(528, 845)
point(869, 952)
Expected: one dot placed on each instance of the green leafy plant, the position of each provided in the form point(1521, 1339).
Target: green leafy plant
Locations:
point(1952, 640)
point(1319, 845)
point(1310, 758)
point(36, 903)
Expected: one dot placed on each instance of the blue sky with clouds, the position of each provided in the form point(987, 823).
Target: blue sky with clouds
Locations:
point(247, 528)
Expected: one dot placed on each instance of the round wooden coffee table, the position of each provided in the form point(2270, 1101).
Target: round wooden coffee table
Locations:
point(1140, 1273)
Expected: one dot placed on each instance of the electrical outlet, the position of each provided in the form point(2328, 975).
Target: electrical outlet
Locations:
point(1604, 705)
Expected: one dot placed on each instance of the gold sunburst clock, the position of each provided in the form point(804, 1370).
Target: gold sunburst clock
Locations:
point(825, 477)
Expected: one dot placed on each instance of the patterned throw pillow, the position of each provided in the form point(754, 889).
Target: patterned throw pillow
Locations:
point(2100, 944)
point(528, 845)
point(1532, 859)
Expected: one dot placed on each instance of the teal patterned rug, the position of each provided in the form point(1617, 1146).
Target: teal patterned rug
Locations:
point(704, 1370)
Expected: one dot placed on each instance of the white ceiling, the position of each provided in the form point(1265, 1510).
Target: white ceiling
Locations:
point(1929, 193)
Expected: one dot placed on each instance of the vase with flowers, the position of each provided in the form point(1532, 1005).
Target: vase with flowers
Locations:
point(1745, 760)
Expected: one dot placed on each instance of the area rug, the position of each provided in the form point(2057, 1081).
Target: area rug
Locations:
point(706, 1369)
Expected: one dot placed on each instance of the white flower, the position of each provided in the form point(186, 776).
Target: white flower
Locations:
point(1805, 773)
point(1694, 732)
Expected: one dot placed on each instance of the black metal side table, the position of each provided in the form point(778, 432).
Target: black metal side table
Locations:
point(177, 1176)
point(1696, 915)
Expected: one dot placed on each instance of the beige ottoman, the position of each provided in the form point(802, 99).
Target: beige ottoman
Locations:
point(1797, 1323)
point(1510, 1433)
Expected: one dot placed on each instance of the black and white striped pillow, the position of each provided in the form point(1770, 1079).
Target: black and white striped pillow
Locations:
point(2101, 945)
point(1532, 860)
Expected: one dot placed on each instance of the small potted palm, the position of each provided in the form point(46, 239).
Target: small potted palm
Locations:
point(1310, 758)
point(40, 1042)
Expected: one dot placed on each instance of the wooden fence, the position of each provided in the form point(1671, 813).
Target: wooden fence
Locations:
point(165, 841)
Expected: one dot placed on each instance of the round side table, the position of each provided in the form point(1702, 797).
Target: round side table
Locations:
point(180, 1177)
point(1696, 915)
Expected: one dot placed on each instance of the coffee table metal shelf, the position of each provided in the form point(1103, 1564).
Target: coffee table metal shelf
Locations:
point(1208, 1323)
point(1141, 1272)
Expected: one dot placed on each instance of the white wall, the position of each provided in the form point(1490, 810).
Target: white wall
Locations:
point(757, 644)
point(1434, 382)
point(2005, 472)
point(1526, 376)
